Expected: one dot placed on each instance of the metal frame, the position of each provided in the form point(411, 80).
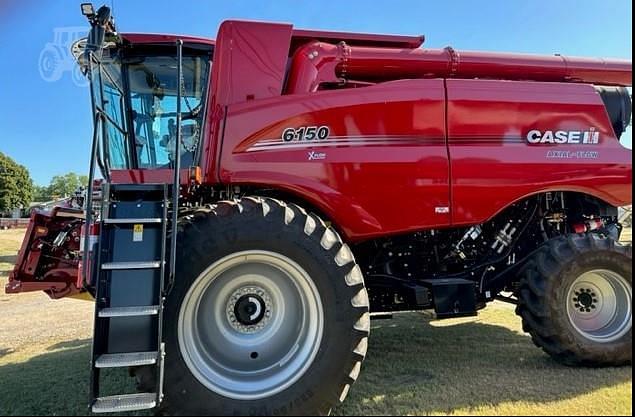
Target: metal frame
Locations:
point(176, 183)
point(97, 120)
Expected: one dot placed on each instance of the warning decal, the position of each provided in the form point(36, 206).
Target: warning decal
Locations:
point(137, 233)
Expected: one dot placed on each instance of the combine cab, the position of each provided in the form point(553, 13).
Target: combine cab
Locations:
point(257, 197)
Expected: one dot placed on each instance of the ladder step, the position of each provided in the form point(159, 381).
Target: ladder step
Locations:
point(131, 265)
point(129, 311)
point(134, 221)
point(122, 360)
point(124, 403)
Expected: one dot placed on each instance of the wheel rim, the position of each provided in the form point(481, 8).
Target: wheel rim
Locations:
point(599, 305)
point(251, 325)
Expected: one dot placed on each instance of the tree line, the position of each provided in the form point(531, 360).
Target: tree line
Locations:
point(61, 186)
point(18, 191)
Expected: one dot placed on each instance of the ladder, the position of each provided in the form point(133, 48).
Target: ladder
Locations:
point(130, 267)
point(130, 281)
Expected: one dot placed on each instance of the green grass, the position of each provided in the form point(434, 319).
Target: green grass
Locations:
point(415, 365)
point(483, 366)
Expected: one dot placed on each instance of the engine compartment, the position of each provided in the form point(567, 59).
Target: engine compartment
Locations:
point(398, 269)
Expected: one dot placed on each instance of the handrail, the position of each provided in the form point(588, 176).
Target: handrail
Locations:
point(176, 183)
point(89, 196)
point(98, 123)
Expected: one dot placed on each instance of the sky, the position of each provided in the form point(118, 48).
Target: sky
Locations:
point(45, 123)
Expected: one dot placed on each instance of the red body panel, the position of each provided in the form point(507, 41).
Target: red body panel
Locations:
point(243, 54)
point(386, 165)
point(492, 163)
point(386, 168)
point(148, 176)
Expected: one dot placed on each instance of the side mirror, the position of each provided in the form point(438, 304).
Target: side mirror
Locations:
point(100, 22)
point(103, 16)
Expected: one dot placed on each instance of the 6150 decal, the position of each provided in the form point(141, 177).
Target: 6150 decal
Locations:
point(305, 133)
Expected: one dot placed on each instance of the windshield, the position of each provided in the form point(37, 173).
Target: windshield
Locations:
point(138, 96)
point(153, 87)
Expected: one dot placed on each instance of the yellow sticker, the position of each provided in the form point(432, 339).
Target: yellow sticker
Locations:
point(137, 233)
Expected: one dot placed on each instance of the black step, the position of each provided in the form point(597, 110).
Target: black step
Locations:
point(124, 360)
point(125, 403)
point(129, 311)
point(142, 220)
point(131, 265)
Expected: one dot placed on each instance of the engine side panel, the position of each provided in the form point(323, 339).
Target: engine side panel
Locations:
point(493, 164)
point(383, 168)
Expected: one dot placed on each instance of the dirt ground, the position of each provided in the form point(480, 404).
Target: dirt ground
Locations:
point(415, 365)
point(53, 320)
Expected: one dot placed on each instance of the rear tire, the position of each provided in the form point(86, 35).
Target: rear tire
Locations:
point(262, 232)
point(575, 300)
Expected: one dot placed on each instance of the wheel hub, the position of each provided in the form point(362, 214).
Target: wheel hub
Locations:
point(586, 299)
point(599, 305)
point(249, 309)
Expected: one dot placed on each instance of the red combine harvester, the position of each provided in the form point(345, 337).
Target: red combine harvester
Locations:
point(260, 196)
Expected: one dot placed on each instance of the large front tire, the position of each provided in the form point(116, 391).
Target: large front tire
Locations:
point(268, 314)
point(575, 300)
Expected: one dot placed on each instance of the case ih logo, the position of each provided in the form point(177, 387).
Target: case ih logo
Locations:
point(591, 136)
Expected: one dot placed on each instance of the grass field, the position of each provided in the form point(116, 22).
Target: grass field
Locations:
point(415, 365)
